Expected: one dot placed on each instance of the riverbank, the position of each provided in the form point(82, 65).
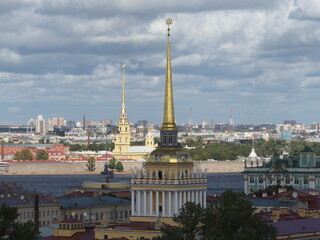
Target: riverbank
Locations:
point(79, 168)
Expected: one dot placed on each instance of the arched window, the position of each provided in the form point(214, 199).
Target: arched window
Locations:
point(251, 180)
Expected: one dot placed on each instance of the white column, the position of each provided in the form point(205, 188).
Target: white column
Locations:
point(157, 203)
point(163, 203)
point(200, 198)
point(144, 203)
point(176, 202)
point(132, 203)
point(150, 204)
point(192, 196)
point(169, 203)
point(184, 197)
point(180, 200)
point(204, 198)
point(197, 196)
point(189, 197)
point(139, 202)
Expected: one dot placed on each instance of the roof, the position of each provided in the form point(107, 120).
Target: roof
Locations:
point(29, 145)
point(286, 215)
point(297, 226)
point(307, 149)
point(140, 149)
point(135, 226)
point(262, 202)
point(91, 201)
point(14, 195)
point(87, 235)
point(253, 154)
point(71, 220)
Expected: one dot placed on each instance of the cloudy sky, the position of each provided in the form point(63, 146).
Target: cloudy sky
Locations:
point(63, 59)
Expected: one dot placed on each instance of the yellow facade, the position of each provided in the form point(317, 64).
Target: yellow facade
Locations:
point(111, 233)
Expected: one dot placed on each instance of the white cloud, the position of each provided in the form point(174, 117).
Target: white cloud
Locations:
point(249, 54)
point(9, 56)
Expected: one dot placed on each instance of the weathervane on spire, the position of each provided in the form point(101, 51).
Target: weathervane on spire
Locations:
point(169, 21)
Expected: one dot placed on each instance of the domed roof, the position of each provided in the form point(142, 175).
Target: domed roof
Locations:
point(169, 155)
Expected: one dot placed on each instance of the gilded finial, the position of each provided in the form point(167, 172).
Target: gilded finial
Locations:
point(169, 21)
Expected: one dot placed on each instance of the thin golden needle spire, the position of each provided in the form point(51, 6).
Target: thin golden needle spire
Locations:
point(168, 114)
point(123, 108)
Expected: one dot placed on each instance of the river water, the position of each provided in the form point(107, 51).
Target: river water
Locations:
point(57, 185)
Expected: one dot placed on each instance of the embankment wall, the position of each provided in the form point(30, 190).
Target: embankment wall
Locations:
point(22, 168)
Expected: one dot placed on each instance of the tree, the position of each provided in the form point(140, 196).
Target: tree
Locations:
point(112, 164)
point(11, 229)
point(91, 164)
point(24, 154)
point(119, 166)
point(232, 218)
point(189, 222)
point(42, 155)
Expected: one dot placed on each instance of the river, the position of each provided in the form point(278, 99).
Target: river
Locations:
point(57, 185)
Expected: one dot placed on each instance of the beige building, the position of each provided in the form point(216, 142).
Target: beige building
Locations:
point(14, 196)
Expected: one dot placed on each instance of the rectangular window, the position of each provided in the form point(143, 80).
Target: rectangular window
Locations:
point(296, 181)
point(288, 181)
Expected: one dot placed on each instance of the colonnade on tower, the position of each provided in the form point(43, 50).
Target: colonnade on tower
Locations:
point(163, 195)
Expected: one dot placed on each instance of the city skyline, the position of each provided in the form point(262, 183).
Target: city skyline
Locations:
point(258, 58)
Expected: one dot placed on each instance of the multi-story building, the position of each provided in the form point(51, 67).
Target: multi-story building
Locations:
point(40, 125)
point(301, 172)
point(95, 208)
point(59, 122)
point(14, 196)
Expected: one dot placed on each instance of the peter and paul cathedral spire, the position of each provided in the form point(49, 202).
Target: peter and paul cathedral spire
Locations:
point(122, 142)
point(123, 108)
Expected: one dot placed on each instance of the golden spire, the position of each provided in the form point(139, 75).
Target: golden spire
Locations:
point(168, 114)
point(123, 108)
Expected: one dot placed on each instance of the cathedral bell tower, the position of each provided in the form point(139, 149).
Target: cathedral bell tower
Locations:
point(122, 143)
point(168, 178)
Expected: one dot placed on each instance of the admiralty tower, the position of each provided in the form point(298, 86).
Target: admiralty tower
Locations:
point(168, 178)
